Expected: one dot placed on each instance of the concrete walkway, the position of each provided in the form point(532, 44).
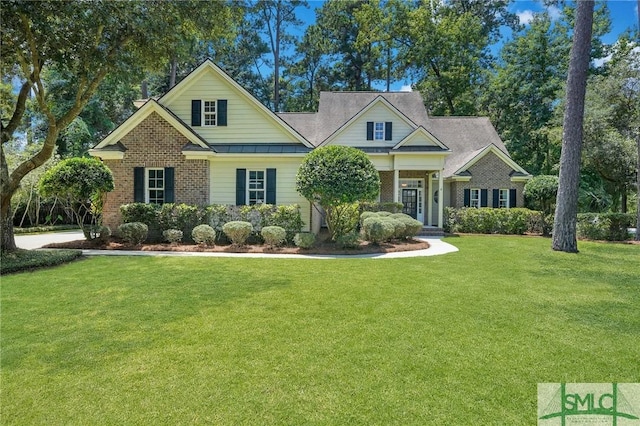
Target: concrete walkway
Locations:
point(436, 247)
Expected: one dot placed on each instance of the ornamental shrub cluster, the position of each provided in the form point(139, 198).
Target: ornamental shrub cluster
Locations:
point(381, 226)
point(184, 217)
point(516, 221)
point(174, 236)
point(274, 236)
point(304, 240)
point(604, 226)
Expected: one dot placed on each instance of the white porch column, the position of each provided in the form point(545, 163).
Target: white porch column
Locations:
point(429, 192)
point(440, 199)
point(396, 185)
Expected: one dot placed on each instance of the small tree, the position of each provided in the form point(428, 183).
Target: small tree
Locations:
point(336, 177)
point(540, 193)
point(81, 184)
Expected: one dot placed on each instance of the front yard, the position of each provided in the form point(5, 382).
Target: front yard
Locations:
point(462, 338)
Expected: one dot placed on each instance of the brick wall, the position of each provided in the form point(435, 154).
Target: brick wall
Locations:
point(490, 172)
point(155, 143)
point(386, 187)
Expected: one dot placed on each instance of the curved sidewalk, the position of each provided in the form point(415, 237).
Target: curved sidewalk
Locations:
point(34, 241)
point(436, 247)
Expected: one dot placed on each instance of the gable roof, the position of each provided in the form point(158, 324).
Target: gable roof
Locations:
point(209, 66)
point(151, 106)
point(464, 162)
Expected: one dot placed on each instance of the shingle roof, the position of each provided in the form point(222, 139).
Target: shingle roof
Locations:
point(464, 136)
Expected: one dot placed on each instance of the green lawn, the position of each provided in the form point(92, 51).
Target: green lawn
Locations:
point(459, 339)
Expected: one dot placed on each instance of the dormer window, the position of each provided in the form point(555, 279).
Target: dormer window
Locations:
point(379, 131)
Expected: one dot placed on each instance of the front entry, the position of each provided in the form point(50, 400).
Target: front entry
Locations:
point(411, 195)
point(410, 202)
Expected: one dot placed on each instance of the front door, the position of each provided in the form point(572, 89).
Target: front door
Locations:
point(410, 202)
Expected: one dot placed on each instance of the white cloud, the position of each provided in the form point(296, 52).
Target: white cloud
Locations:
point(525, 16)
point(406, 88)
point(554, 12)
point(601, 61)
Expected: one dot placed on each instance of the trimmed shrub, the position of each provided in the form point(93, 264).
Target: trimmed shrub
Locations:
point(144, 213)
point(491, 221)
point(377, 230)
point(237, 231)
point(380, 207)
point(102, 233)
point(411, 226)
point(287, 217)
point(604, 226)
point(384, 213)
point(304, 240)
point(274, 235)
point(366, 215)
point(349, 241)
point(204, 234)
point(174, 236)
point(134, 232)
point(184, 217)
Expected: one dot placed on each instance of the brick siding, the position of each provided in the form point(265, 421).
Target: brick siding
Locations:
point(155, 143)
point(490, 172)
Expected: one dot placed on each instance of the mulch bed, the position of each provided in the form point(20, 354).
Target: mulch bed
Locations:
point(323, 248)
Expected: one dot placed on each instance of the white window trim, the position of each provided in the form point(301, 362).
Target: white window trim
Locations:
point(204, 114)
point(500, 199)
point(375, 132)
point(471, 199)
point(264, 186)
point(147, 189)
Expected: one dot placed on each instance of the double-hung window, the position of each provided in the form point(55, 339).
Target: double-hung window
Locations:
point(209, 113)
point(256, 186)
point(378, 131)
point(503, 198)
point(155, 186)
point(474, 200)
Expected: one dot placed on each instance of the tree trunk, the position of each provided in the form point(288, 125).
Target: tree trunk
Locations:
point(276, 61)
point(144, 90)
point(8, 241)
point(564, 227)
point(172, 75)
point(638, 183)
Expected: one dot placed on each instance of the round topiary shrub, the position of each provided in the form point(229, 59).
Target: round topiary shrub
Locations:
point(204, 234)
point(134, 233)
point(377, 230)
point(174, 236)
point(237, 231)
point(274, 235)
point(411, 226)
point(102, 234)
point(304, 240)
point(349, 241)
point(366, 215)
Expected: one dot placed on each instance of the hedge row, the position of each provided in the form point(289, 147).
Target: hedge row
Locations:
point(592, 226)
point(185, 217)
point(605, 226)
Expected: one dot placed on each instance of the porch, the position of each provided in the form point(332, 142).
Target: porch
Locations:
point(418, 191)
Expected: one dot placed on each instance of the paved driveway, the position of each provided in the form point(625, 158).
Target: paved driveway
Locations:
point(34, 241)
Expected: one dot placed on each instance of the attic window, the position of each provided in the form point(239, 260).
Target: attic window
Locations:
point(209, 113)
point(378, 133)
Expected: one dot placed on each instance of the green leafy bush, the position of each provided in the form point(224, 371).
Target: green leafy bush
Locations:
point(378, 229)
point(349, 241)
point(184, 217)
point(24, 260)
point(604, 226)
point(274, 235)
point(237, 231)
point(412, 227)
point(378, 207)
point(304, 240)
point(134, 232)
point(491, 221)
point(101, 233)
point(145, 213)
point(174, 236)
point(287, 217)
point(204, 234)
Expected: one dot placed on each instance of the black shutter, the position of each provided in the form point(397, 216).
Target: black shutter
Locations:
point(512, 198)
point(169, 192)
point(196, 112)
point(388, 131)
point(483, 198)
point(496, 198)
point(222, 112)
point(138, 184)
point(271, 186)
point(241, 187)
point(369, 130)
point(467, 197)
